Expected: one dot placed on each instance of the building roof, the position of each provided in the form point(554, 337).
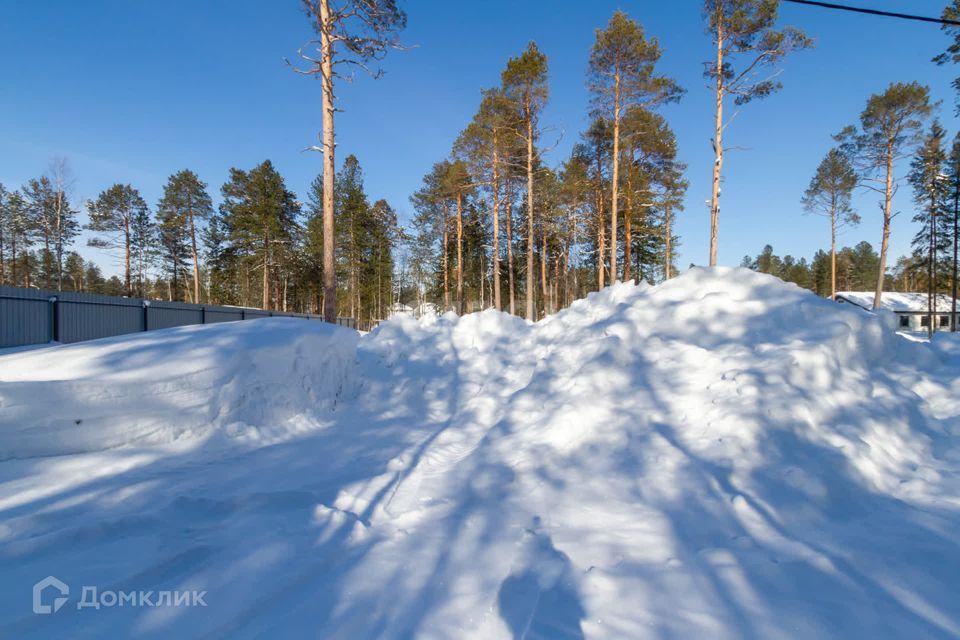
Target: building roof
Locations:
point(896, 301)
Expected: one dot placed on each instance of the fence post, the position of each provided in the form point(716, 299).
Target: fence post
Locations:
point(203, 315)
point(243, 314)
point(54, 318)
point(146, 315)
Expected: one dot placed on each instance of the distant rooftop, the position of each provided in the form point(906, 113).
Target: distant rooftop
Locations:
point(896, 301)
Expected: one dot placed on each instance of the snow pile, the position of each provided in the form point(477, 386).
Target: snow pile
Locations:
point(255, 381)
point(721, 456)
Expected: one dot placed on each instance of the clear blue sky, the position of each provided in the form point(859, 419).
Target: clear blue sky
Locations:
point(131, 91)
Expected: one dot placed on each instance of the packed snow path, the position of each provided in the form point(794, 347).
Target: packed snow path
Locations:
point(721, 456)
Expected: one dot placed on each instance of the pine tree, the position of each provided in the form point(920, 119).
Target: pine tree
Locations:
point(22, 235)
point(485, 145)
point(890, 128)
point(174, 247)
point(597, 143)
point(352, 221)
point(622, 75)
point(654, 192)
point(39, 195)
point(930, 193)
point(221, 260)
point(525, 83)
point(384, 235)
point(829, 194)
point(823, 274)
point(432, 203)
point(313, 244)
point(74, 270)
point(953, 217)
point(143, 249)
point(742, 29)
point(674, 188)
point(184, 204)
point(65, 226)
point(575, 197)
point(458, 185)
point(115, 213)
point(354, 32)
point(259, 212)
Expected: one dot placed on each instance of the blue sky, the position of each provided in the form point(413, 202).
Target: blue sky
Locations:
point(132, 91)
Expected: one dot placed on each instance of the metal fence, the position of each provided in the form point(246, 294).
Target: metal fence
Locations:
point(34, 316)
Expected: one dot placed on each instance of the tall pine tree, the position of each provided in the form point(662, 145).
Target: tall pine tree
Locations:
point(621, 76)
point(830, 194)
point(890, 128)
point(743, 32)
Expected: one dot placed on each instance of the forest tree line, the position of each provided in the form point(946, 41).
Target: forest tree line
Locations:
point(259, 248)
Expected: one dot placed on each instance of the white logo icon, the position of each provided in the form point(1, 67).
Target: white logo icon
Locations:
point(40, 587)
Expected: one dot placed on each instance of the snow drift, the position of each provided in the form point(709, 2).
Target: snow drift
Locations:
point(722, 456)
point(239, 378)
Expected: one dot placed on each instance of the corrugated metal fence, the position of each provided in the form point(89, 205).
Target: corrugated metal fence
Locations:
point(34, 316)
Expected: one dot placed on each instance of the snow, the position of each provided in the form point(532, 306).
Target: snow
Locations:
point(722, 456)
point(898, 301)
point(159, 386)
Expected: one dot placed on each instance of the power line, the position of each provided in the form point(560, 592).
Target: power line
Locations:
point(876, 12)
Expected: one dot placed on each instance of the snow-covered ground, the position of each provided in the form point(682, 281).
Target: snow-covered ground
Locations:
point(721, 456)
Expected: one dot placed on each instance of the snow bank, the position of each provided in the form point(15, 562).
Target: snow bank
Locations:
point(256, 379)
point(720, 456)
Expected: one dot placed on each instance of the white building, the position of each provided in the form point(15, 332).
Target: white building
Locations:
point(399, 309)
point(910, 308)
point(425, 309)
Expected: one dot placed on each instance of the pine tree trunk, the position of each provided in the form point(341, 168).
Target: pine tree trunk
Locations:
point(508, 218)
point(717, 146)
point(956, 250)
point(544, 258)
point(887, 215)
point(13, 258)
point(459, 253)
point(601, 224)
point(932, 264)
point(174, 285)
point(126, 254)
point(196, 257)
point(615, 178)
point(668, 243)
point(266, 271)
point(627, 227)
point(446, 260)
point(482, 278)
point(531, 280)
point(496, 227)
point(26, 268)
point(46, 255)
point(58, 240)
point(833, 248)
point(329, 166)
